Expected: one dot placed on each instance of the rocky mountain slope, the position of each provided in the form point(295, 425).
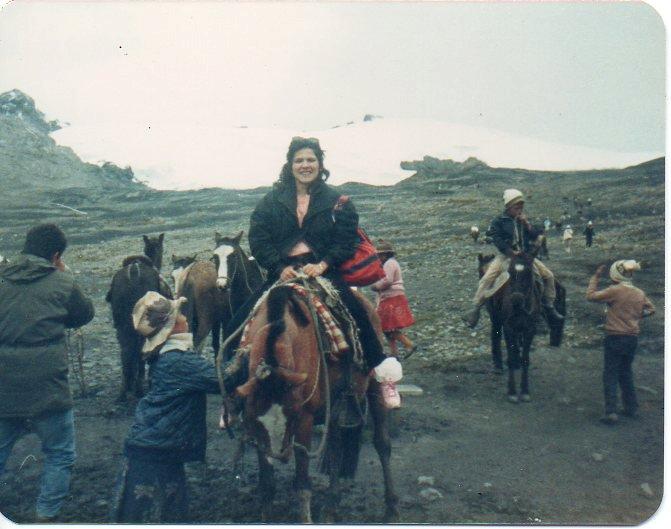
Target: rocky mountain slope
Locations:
point(32, 164)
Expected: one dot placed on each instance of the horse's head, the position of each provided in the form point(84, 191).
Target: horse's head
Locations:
point(521, 270)
point(179, 264)
point(153, 248)
point(226, 257)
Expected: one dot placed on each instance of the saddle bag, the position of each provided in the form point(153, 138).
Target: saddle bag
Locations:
point(364, 267)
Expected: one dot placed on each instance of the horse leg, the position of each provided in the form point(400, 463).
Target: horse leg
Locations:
point(526, 349)
point(382, 445)
point(204, 328)
point(302, 482)
point(216, 333)
point(513, 363)
point(127, 346)
point(266, 488)
point(496, 345)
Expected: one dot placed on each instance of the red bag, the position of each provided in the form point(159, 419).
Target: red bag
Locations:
point(364, 267)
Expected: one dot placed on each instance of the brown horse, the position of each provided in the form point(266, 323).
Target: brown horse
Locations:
point(514, 309)
point(281, 408)
point(138, 275)
point(180, 266)
point(216, 288)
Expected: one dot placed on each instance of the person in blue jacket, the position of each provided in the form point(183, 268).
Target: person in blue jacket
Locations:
point(169, 427)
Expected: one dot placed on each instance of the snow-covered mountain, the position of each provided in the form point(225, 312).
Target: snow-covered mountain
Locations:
point(191, 156)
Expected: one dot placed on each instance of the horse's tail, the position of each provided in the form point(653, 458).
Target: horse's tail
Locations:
point(278, 299)
point(133, 272)
point(341, 457)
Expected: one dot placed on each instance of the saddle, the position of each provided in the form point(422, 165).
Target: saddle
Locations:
point(336, 325)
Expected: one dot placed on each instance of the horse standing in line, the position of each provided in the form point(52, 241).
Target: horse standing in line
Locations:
point(138, 275)
point(216, 289)
point(180, 266)
point(514, 309)
point(282, 407)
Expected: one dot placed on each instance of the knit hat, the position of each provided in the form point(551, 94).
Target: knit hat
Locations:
point(384, 247)
point(623, 270)
point(154, 318)
point(512, 197)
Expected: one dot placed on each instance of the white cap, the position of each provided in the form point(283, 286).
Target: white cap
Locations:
point(512, 196)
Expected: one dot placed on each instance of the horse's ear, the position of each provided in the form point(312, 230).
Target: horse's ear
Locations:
point(160, 237)
point(195, 255)
point(145, 239)
point(480, 257)
point(238, 237)
point(217, 236)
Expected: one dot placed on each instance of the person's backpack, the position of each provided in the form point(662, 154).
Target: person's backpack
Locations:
point(364, 267)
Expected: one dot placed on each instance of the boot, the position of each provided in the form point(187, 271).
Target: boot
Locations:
point(472, 317)
point(552, 312)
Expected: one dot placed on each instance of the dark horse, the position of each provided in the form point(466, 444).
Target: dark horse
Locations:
point(138, 275)
point(216, 289)
point(282, 407)
point(515, 308)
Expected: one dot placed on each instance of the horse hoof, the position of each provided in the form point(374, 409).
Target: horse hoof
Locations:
point(513, 398)
point(526, 397)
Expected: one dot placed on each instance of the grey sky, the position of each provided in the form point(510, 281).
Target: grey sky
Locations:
point(587, 74)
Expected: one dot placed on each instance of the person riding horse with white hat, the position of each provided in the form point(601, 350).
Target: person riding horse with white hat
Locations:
point(512, 234)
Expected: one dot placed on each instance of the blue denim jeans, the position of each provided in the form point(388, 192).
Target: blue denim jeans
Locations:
point(57, 434)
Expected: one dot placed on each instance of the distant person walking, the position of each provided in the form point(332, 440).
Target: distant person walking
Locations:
point(40, 299)
point(627, 305)
point(589, 234)
point(567, 237)
point(392, 304)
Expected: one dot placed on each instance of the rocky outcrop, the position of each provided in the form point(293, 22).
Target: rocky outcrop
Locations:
point(32, 163)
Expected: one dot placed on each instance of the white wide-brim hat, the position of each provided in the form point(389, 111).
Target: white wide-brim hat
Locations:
point(154, 318)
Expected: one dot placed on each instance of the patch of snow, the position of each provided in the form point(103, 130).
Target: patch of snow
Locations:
point(195, 156)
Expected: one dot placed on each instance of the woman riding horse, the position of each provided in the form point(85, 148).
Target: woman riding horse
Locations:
point(298, 226)
point(512, 234)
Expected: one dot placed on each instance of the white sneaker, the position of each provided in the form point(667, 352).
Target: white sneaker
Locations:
point(390, 395)
point(389, 370)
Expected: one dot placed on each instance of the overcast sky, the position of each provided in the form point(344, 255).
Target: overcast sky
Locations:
point(589, 74)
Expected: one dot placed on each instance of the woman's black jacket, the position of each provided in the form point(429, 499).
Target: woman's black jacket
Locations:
point(274, 231)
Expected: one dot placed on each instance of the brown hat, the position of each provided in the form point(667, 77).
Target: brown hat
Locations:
point(154, 318)
point(384, 247)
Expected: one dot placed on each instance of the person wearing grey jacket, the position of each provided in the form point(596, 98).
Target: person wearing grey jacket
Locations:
point(39, 300)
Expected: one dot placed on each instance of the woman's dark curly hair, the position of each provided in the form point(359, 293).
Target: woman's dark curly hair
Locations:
point(286, 175)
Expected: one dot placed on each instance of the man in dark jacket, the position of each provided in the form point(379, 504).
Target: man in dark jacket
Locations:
point(39, 301)
point(512, 234)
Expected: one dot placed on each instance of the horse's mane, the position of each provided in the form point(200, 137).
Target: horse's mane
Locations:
point(276, 303)
point(137, 259)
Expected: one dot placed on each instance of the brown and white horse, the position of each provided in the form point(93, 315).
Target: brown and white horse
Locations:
point(282, 407)
point(215, 289)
